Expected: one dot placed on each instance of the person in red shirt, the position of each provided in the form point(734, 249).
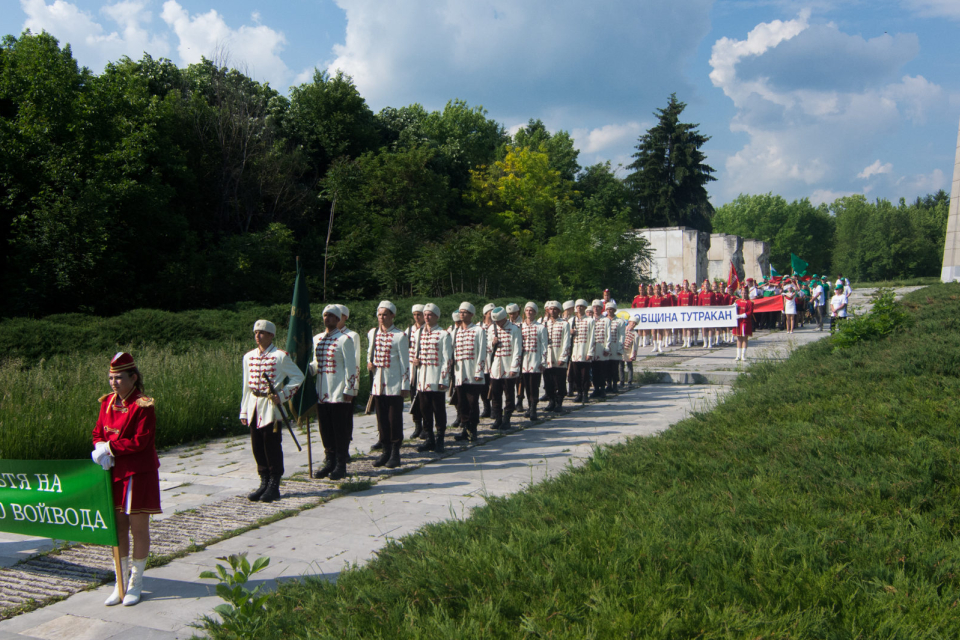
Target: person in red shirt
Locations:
point(744, 328)
point(654, 302)
point(667, 299)
point(123, 441)
point(687, 298)
point(705, 299)
point(642, 301)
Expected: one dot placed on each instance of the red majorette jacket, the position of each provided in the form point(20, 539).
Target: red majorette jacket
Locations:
point(129, 427)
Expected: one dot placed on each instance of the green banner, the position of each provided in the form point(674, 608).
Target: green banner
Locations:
point(63, 499)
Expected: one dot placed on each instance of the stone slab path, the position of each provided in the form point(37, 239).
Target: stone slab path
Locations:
point(202, 485)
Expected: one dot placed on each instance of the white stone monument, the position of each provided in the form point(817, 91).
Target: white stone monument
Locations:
point(679, 253)
point(724, 249)
point(951, 248)
point(756, 259)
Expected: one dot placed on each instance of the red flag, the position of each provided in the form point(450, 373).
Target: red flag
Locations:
point(733, 280)
point(764, 305)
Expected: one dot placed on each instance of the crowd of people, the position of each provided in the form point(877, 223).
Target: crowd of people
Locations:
point(489, 364)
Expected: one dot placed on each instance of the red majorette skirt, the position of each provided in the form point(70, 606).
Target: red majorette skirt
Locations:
point(139, 493)
point(744, 327)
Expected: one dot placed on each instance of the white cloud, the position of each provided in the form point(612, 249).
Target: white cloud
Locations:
point(805, 122)
point(595, 140)
point(935, 8)
point(91, 43)
point(561, 60)
point(924, 183)
point(252, 49)
point(875, 169)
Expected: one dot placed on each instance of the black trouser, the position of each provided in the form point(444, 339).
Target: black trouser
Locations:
point(613, 372)
point(835, 322)
point(468, 407)
point(555, 383)
point(267, 450)
point(455, 399)
point(500, 387)
point(415, 410)
point(433, 409)
point(581, 375)
point(531, 387)
point(336, 426)
point(390, 418)
point(599, 369)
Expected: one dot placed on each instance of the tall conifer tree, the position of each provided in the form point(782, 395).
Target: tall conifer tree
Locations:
point(670, 175)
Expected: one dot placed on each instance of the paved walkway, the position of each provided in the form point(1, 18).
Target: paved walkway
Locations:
point(351, 529)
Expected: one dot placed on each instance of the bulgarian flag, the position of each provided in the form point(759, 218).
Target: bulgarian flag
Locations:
point(733, 280)
point(799, 266)
point(773, 272)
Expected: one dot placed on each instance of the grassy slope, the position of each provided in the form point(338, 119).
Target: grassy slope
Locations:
point(819, 500)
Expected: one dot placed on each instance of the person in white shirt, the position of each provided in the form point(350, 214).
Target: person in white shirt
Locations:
point(838, 307)
point(433, 360)
point(817, 298)
point(388, 361)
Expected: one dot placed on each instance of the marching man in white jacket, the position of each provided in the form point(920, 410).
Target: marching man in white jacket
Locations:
point(505, 344)
point(604, 339)
point(355, 337)
point(258, 409)
point(534, 340)
point(558, 355)
point(470, 367)
point(389, 366)
point(335, 367)
point(433, 361)
point(583, 332)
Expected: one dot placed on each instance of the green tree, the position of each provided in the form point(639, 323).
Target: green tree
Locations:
point(669, 175)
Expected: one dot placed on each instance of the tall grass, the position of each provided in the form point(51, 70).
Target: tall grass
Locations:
point(48, 411)
point(819, 500)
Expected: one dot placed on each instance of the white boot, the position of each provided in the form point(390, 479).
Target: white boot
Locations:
point(136, 582)
point(738, 354)
point(121, 579)
point(743, 354)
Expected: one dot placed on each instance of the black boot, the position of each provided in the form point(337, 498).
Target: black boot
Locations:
point(429, 444)
point(377, 447)
point(394, 460)
point(496, 423)
point(579, 398)
point(273, 490)
point(418, 429)
point(544, 398)
point(329, 462)
point(559, 407)
point(486, 409)
point(382, 460)
point(550, 405)
point(456, 423)
point(472, 431)
point(264, 481)
point(533, 413)
point(464, 434)
point(506, 422)
point(520, 405)
point(340, 471)
point(439, 446)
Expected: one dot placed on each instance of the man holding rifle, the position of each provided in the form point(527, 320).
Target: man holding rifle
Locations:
point(264, 367)
point(388, 361)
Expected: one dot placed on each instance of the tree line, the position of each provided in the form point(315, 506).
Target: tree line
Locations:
point(150, 185)
point(864, 240)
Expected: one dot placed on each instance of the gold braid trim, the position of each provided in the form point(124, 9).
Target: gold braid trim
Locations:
point(104, 397)
point(144, 401)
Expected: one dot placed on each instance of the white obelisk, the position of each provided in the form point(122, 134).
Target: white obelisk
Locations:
point(951, 248)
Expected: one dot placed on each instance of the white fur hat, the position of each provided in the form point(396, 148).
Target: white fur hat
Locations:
point(417, 308)
point(512, 308)
point(432, 308)
point(344, 311)
point(568, 305)
point(488, 308)
point(466, 306)
point(551, 303)
point(532, 305)
point(389, 306)
point(611, 305)
point(597, 303)
point(334, 309)
point(498, 313)
point(581, 303)
point(265, 325)
point(456, 316)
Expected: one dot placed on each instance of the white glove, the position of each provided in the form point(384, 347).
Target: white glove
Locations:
point(742, 316)
point(99, 451)
point(106, 462)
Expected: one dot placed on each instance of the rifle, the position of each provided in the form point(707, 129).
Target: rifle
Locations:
point(496, 348)
point(414, 386)
point(283, 412)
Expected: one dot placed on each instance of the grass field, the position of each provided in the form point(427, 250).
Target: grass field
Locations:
point(819, 500)
point(904, 282)
point(55, 369)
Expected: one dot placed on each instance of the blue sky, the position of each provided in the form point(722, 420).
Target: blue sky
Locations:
point(812, 99)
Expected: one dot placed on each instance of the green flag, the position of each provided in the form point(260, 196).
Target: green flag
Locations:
point(300, 346)
point(773, 272)
point(799, 266)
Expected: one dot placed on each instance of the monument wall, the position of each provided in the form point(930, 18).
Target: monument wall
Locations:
point(951, 246)
point(680, 253)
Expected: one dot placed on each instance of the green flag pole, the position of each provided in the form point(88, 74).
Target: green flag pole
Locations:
point(300, 347)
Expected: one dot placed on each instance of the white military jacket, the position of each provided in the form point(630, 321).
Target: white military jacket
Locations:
point(435, 348)
point(355, 337)
point(506, 354)
point(582, 332)
point(534, 340)
point(388, 352)
point(470, 355)
point(335, 365)
point(605, 337)
point(558, 343)
point(278, 366)
point(630, 345)
point(618, 329)
point(412, 331)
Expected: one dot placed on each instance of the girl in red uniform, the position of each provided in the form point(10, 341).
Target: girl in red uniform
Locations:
point(687, 298)
point(744, 328)
point(642, 301)
point(705, 299)
point(124, 442)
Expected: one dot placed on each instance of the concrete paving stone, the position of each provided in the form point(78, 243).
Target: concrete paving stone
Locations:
point(70, 627)
point(143, 633)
